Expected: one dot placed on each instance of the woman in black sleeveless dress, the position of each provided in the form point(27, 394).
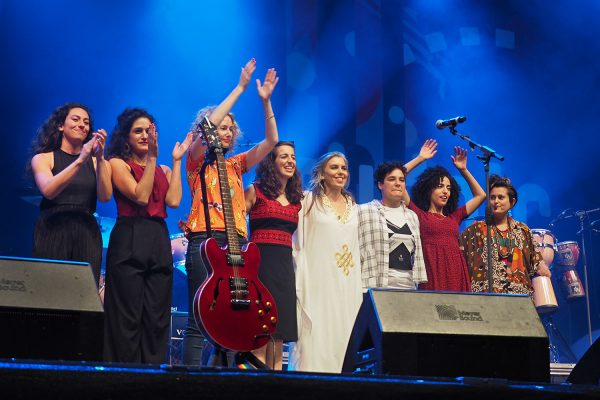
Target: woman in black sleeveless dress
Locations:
point(71, 173)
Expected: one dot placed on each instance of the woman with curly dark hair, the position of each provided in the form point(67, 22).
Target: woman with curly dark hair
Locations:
point(273, 202)
point(435, 201)
point(71, 173)
point(139, 263)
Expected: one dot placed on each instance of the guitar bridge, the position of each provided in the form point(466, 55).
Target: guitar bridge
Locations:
point(240, 304)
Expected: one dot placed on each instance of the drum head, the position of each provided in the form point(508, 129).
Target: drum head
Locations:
point(544, 241)
point(179, 245)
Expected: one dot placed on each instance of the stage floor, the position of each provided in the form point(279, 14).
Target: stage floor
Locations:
point(82, 380)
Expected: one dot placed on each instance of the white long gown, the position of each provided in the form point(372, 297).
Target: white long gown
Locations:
point(328, 287)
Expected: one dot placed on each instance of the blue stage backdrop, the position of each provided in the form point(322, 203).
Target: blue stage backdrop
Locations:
point(367, 77)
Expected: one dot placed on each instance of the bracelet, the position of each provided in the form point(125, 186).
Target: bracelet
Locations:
point(270, 117)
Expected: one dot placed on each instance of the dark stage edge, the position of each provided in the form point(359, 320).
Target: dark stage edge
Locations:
point(79, 380)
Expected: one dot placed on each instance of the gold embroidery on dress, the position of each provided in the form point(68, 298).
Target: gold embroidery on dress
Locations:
point(344, 218)
point(344, 260)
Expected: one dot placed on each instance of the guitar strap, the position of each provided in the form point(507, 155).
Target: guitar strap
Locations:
point(204, 198)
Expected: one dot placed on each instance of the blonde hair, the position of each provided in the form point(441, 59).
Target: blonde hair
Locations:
point(317, 185)
point(207, 111)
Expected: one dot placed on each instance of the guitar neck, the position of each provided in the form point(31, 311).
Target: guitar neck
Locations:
point(232, 238)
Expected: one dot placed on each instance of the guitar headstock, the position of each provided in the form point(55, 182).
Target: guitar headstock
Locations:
point(209, 134)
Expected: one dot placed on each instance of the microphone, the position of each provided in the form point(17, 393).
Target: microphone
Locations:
point(444, 123)
point(561, 216)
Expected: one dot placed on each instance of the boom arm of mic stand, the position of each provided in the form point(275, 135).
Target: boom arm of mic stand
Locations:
point(485, 157)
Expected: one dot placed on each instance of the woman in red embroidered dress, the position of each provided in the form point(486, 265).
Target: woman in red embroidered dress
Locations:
point(435, 201)
point(273, 202)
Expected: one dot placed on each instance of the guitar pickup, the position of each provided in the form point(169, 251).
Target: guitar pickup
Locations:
point(239, 294)
point(235, 259)
point(237, 283)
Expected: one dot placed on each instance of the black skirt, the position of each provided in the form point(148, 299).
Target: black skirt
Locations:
point(68, 233)
point(276, 272)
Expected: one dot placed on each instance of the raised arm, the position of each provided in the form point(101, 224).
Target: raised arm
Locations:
point(459, 159)
point(103, 170)
point(427, 152)
point(138, 192)
point(173, 197)
point(51, 185)
point(250, 196)
point(265, 91)
point(219, 113)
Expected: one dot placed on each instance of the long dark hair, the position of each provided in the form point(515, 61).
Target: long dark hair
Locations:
point(268, 181)
point(118, 145)
point(430, 179)
point(48, 137)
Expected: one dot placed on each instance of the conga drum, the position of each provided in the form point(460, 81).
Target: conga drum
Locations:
point(567, 253)
point(544, 241)
point(543, 295)
point(572, 284)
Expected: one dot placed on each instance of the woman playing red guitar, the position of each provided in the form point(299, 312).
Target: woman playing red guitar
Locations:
point(228, 131)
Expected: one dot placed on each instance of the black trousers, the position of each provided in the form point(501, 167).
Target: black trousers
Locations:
point(137, 299)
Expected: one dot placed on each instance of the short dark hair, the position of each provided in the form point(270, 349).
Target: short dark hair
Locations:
point(386, 168)
point(502, 181)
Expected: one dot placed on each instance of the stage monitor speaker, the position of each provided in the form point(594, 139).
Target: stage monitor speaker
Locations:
point(587, 370)
point(49, 310)
point(448, 335)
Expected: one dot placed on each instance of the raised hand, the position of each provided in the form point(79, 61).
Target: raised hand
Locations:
point(428, 149)
point(459, 159)
point(265, 90)
point(180, 149)
point(246, 74)
point(152, 141)
point(98, 150)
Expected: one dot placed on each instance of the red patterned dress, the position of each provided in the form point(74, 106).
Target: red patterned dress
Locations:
point(271, 228)
point(445, 265)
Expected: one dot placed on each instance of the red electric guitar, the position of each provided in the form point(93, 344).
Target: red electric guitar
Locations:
point(232, 307)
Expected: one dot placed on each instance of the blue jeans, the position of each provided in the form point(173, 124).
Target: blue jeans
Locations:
point(193, 341)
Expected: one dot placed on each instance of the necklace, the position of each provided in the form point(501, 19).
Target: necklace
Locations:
point(505, 244)
point(345, 217)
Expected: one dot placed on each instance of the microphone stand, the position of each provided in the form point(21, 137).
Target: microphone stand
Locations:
point(488, 153)
point(582, 219)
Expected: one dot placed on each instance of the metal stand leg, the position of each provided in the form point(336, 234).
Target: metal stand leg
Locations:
point(560, 351)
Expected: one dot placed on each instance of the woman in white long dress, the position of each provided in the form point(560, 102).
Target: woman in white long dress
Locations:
point(328, 275)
